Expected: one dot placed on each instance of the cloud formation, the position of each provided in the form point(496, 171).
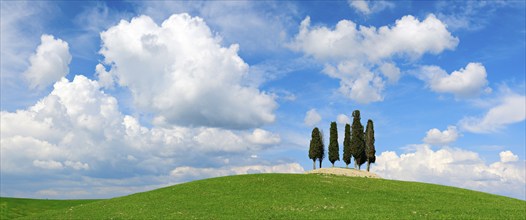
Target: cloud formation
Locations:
point(510, 109)
point(455, 167)
point(312, 117)
point(78, 130)
point(180, 72)
point(467, 82)
point(440, 138)
point(369, 7)
point(49, 63)
point(249, 24)
point(361, 57)
point(343, 119)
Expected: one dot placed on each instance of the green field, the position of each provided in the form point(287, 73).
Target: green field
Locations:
point(11, 208)
point(295, 196)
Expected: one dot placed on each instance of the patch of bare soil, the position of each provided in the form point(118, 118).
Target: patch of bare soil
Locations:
point(344, 172)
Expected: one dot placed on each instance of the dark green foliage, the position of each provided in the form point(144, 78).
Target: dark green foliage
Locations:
point(357, 141)
point(321, 148)
point(314, 146)
point(369, 144)
point(334, 148)
point(347, 145)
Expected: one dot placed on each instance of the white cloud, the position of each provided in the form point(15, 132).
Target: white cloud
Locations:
point(181, 73)
point(511, 109)
point(508, 156)
point(17, 17)
point(190, 173)
point(437, 137)
point(390, 71)
point(359, 56)
point(312, 118)
point(464, 83)
point(246, 23)
point(343, 119)
point(455, 167)
point(48, 164)
point(369, 7)
point(263, 137)
point(78, 129)
point(76, 165)
point(49, 63)
point(105, 78)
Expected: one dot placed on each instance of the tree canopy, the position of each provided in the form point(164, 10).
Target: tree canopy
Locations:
point(334, 149)
point(347, 146)
point(357, 141)
point(369, 143)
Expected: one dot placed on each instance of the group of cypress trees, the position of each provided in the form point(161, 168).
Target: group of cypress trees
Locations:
point(356, 144)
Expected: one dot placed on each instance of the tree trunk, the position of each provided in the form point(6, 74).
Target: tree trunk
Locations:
point(359, 167)
point(346, 165)
point(320, 163)
point(313, 164)
point(355, 165)
point(368, 165)
point(332, 164)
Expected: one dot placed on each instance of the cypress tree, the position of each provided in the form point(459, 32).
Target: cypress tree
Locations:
point(321, 147)
point(357, 141)
point(347, 146)
point(334, 149)
point(369, 144)
point(313, 150)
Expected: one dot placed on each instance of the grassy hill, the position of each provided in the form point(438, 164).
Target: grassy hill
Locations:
point(11, 208)
point(298, 196)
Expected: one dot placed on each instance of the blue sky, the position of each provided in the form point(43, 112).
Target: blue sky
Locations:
point(102, 99)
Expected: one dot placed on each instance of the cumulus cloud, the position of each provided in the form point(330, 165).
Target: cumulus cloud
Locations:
point(65, 128)
point(312, 118)
point(511, 109)
point(78, 122)
point(78, 129)
point(361, 56)
point(246, 23)
point(49, 63)
point(437, 137)
point(343, 119)
point(369, 7)
point(508, 156)
point(20, 32)
point(464, 83)
point(260, 136)
point(191, 173)
point(455, 167)
point(180, 72)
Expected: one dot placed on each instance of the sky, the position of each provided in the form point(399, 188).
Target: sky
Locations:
point(104, 99)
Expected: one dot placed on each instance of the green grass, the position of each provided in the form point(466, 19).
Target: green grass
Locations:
point(11, 208)
point(299, 196)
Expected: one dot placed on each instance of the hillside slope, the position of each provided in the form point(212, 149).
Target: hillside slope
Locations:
point(11, 208)
point(299, 196)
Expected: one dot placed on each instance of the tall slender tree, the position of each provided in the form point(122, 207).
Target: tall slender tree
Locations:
point(357, 141)
point(321, 147)
point(314, 148)
point(347, 146)
point(334, 148)
point(369, 144)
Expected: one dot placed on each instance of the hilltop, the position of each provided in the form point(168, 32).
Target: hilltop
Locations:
point(343, 172)
point(298, 196)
